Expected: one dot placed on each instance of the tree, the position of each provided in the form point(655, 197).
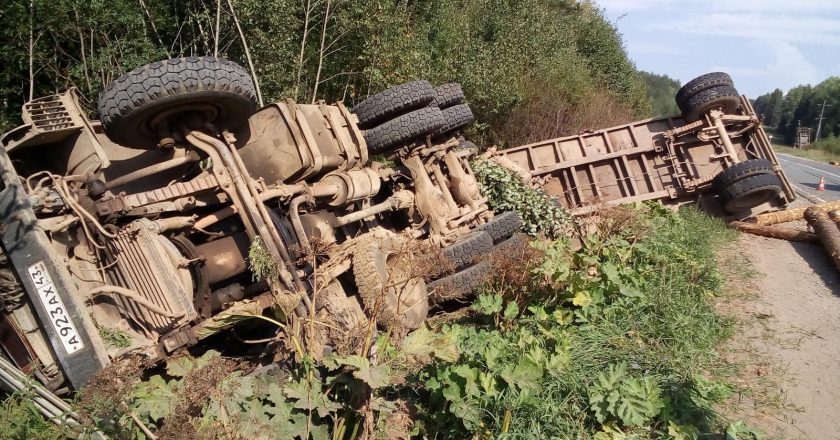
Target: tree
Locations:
point(661, 90)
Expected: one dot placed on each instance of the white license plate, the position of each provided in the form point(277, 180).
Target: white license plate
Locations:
point(56, 312)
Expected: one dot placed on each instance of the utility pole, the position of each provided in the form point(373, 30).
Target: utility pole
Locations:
point(819, 123)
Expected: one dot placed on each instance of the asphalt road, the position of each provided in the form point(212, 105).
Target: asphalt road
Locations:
point(804, 175)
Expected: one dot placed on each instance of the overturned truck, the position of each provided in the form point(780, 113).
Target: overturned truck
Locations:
point(185, 208)
point(715, 151)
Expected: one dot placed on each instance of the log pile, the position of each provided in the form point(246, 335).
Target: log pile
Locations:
point(823, 218)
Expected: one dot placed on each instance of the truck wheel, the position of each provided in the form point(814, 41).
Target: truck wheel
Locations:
point(723, 98)
point(750, 192)
point(385, 285)
point(393, 101)
point(469, 248)
point(741, 171)
point(502, 226)
point(456, 117)
point(403, 129)
point(447, 95)
point(11, 291)
point(131, 106)
point(701, 83)
point(512, 244)
point(459, 285)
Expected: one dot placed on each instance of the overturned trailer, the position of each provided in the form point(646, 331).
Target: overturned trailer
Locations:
point(715, 151)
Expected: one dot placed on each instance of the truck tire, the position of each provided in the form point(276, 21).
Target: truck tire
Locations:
point(403, 129)
point(469, 248)
point(502, 226)
point(447, 95)
point(724, 98)
point(741, 171)
point(459, 285)
point(12, 295)
point(511, 245)
point(387, 288)
point(750, 192)
point(219, 89)
point(393, 101)
point(456, 117)
point(701, 83)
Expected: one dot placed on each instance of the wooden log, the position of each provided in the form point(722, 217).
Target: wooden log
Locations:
point(789, 215)
point(827, 231)
point(776, 232)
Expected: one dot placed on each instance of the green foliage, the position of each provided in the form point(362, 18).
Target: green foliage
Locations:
point(368, 46)
point(115, 337)
point(632, 401)
point(661, 90)
point(618, 346)
point(20, 419)
point(260, 261)
point(802, 105)
point(507, 192)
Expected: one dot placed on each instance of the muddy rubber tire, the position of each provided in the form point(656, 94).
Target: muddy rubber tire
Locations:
point(219, 89)
point(701, 83)
point(400, 303)
point(750, 192)
point(12, 295)
point(447, 95)
point(393, 101)
point(724, 98)
point(502, 226)
point(403, 129)
point(510, 246)
point(457, 116)
point(460, 285)
point(741, 171)
point(468, 249)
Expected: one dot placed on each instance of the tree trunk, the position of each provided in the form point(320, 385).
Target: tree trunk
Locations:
point(776, 232)
point(247, 53)
point(321, 53)
point(216, 35)
point(789, 215)
point(827, 231)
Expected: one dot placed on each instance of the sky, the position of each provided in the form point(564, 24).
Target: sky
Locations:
point(762, 44)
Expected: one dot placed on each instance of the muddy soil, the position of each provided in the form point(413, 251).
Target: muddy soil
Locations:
point(788, 339)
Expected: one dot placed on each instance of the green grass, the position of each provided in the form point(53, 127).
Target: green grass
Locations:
point(808, 153)
point(647, 307)
point(20, 420)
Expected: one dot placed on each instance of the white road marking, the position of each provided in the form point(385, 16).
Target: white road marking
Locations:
point(808, 166)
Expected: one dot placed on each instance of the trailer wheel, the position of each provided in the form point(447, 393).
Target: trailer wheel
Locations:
point(403, 129)
point(723, 98)
point(750, 192)
point(386, 286)
point(469, 248)
point(447, 95)
point(132, 106)
point(701, 83)
point(393, 101)
point(459, 285)
point(456, 117)
point(741, 171)
point(11, 291)
point(502, 226)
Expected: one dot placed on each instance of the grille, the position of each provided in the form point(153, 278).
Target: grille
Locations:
point(141, 260)
point(49, 114)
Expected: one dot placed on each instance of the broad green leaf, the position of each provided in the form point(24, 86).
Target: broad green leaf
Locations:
point(180, 366)
point(524, 376)
point(424, 343)
point(582, 299)
point(683, 432)
point(511, 311)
